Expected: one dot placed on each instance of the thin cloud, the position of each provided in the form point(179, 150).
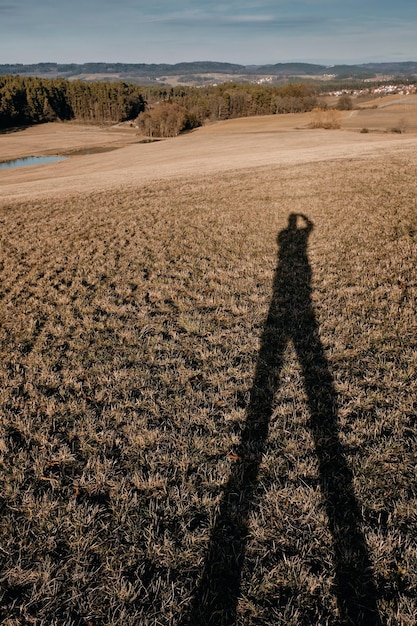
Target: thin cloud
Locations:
point(199, 17)
point(274, 21)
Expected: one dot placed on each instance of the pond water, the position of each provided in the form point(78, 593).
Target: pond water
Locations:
point(33, 160)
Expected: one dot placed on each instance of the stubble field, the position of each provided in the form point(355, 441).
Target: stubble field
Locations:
point(208, 382)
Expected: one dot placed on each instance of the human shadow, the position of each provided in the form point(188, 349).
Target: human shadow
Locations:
point(291, 317)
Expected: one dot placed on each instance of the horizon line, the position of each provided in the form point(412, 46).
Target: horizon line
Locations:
point(323, 64)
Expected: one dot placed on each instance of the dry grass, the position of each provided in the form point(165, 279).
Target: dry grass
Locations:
point(329, 119)
point(62, 138)
point(224, 147)
point(384, 114)
point(134, 342)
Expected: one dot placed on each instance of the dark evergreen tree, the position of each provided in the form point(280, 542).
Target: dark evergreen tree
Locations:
point(30, 100)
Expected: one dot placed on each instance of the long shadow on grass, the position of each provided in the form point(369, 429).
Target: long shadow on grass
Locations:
point(290, 318)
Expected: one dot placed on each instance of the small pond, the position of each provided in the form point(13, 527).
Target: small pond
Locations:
point(33, 160)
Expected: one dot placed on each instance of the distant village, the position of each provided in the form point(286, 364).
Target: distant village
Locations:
point(381, 90)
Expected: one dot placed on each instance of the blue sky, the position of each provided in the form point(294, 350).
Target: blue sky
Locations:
point(245, 31)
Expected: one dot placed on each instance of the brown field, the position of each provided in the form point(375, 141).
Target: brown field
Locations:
point(226, 146)
point(387, 113)
point(207, 406)
point(62, 138)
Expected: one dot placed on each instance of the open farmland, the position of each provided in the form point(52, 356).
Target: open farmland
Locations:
point(208, 382)
point(393, 113)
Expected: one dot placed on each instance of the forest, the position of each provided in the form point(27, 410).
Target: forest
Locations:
point(30, 100)
point(159, 110)
point(171, 110)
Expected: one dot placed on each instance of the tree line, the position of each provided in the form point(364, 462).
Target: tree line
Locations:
point(230, 100)
point(159, 110)
point(175, 109)
point(29, 100)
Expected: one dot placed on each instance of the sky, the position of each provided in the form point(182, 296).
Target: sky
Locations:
point(245, 31)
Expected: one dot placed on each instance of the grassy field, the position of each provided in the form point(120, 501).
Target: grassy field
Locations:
point(208, 383)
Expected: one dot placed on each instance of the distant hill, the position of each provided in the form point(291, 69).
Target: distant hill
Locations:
point(200, 72)
point(131, 69)
point(288, 69)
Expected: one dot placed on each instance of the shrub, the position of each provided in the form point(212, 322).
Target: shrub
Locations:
point(166, 120)
point(345, 103)
point(400, 127)
point(328, 119)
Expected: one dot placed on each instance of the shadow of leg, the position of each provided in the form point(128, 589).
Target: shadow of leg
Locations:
point(290, 317)
point(355, 588)
point(216, 598)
